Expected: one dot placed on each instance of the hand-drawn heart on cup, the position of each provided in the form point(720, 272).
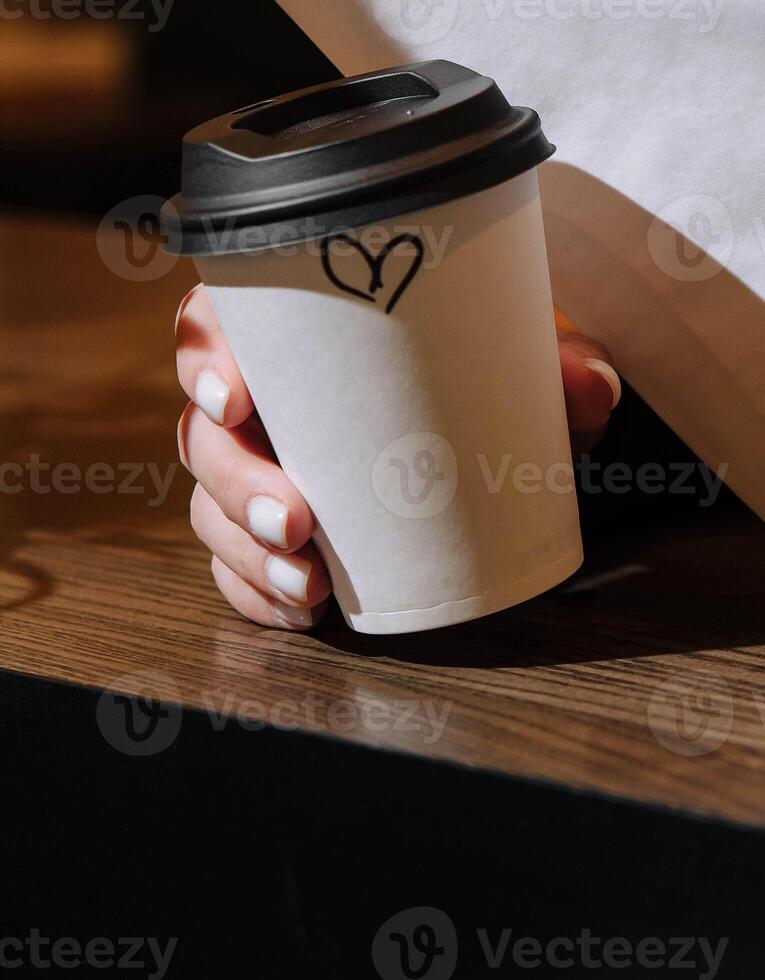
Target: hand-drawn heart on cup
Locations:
point(375, 266)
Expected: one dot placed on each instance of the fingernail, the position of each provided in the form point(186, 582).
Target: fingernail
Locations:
point(292, 615)
point(608, 374)
point(267, 518)
point(289, 576)
point(211, 395)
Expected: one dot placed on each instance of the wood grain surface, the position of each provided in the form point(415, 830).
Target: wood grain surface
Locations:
point(643, 676)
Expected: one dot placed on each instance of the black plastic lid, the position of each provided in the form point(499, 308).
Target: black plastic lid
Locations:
point(347, 153)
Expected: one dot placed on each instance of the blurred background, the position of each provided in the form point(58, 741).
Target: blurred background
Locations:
point(93, 110)
point(95, 97)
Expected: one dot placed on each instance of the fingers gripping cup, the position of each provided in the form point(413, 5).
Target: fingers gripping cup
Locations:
point(375, 252)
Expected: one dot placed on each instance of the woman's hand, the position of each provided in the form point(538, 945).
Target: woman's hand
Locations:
point(244, 508)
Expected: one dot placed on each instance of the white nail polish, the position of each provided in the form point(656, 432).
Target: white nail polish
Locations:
point(211, 395)
point(608, 374)
point(289, 576)
point(291, 615)
point(267, 518)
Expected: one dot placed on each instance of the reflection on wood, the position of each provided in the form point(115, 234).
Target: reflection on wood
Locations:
point(642, 677)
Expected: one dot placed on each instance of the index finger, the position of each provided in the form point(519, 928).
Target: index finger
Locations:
point(207, 370)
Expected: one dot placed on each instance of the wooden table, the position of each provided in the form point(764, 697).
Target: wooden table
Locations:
point(640, 679)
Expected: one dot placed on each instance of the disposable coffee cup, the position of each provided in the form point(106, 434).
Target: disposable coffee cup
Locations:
point(375, 252)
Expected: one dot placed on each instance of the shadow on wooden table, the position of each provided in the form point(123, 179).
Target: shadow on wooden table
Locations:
point(87, 398)
point(88, 381)
point(683, 587)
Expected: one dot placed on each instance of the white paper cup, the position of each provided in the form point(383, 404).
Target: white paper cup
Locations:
point(431, 442)
point(407, 373)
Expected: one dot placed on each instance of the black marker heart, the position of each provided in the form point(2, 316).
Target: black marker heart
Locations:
point(375, 266)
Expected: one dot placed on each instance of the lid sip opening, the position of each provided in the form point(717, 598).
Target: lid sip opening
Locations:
point(326, 107)
point(347, 153)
